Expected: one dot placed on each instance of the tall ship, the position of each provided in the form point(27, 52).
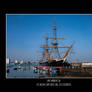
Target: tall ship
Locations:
point(48, 61)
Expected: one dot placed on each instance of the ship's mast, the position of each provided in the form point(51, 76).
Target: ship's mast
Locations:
point(46, 47)
point(55, 43)
point(45, 50)
point(43, 54)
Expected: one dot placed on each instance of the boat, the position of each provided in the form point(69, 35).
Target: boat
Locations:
point(19, 68)
point(51, 62)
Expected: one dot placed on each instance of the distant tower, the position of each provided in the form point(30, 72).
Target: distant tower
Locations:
point(7, 60)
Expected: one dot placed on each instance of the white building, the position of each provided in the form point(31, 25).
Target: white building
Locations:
point(7, 60)
point(86, 64)
point(15, 61)
point(21, 62)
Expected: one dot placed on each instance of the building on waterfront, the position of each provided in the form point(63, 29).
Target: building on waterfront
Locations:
point(21, 62)
point(86, 65)
point(15, 62)
point(7, 60)
point(82, 64)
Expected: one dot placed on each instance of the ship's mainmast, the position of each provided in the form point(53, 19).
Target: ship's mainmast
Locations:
point(55, 44)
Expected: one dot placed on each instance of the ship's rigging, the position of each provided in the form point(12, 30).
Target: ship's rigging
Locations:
point(46, 52)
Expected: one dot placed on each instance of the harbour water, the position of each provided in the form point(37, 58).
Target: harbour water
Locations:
point(26, 71)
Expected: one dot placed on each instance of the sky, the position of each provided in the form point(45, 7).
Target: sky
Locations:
point(25, 34)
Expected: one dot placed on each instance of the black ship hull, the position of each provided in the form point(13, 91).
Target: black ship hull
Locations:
point(55, 63)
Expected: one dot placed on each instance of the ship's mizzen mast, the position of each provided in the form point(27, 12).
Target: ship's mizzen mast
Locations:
point(43, 54)
point(46, 48)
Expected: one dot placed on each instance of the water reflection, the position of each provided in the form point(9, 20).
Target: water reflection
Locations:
point(33, 71)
